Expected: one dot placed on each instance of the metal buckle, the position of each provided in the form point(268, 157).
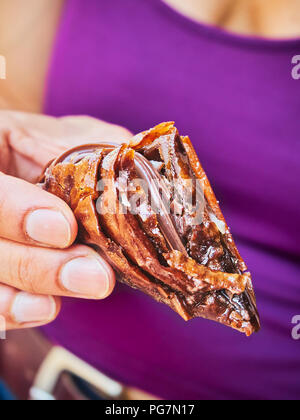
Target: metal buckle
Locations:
point(59, 361)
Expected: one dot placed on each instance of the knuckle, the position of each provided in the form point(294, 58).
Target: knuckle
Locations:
point(24, 272)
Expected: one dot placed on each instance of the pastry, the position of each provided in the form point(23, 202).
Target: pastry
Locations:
point(148, 208)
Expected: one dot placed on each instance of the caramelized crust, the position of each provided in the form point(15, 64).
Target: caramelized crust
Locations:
point(195, 268)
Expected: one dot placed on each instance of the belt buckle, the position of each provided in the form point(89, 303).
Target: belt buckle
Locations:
point(60, 360)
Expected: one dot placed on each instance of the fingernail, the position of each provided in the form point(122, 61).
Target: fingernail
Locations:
point(33, 308)
point(86, 276)
point(48, 227)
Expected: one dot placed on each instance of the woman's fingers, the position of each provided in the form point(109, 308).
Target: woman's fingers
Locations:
point(31, 215)
point(76, 272)
point(24, 310)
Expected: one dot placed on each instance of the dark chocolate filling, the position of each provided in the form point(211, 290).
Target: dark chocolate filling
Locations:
point(204, 243)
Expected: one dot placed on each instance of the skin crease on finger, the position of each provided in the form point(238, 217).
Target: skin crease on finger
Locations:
point(75, 272)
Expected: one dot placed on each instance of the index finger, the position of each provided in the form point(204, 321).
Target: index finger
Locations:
point(31, 215)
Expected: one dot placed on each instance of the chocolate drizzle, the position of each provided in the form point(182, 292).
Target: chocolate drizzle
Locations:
point(156, 246)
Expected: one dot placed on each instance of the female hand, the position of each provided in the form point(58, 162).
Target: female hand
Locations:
point(37, 259)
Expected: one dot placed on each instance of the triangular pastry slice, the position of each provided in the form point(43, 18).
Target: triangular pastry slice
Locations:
point(149, 209)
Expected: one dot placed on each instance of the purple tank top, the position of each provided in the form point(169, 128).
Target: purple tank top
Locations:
point(137, 63)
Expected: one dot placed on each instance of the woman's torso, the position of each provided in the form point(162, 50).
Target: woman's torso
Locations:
point(27, 30)
point(137, 63)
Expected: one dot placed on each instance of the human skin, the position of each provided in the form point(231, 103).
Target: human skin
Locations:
point(264, 18)
point(35, 247)
point(27, 31)
point(38, 260)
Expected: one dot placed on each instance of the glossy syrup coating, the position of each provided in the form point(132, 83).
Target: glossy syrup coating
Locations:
point(195, 269)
